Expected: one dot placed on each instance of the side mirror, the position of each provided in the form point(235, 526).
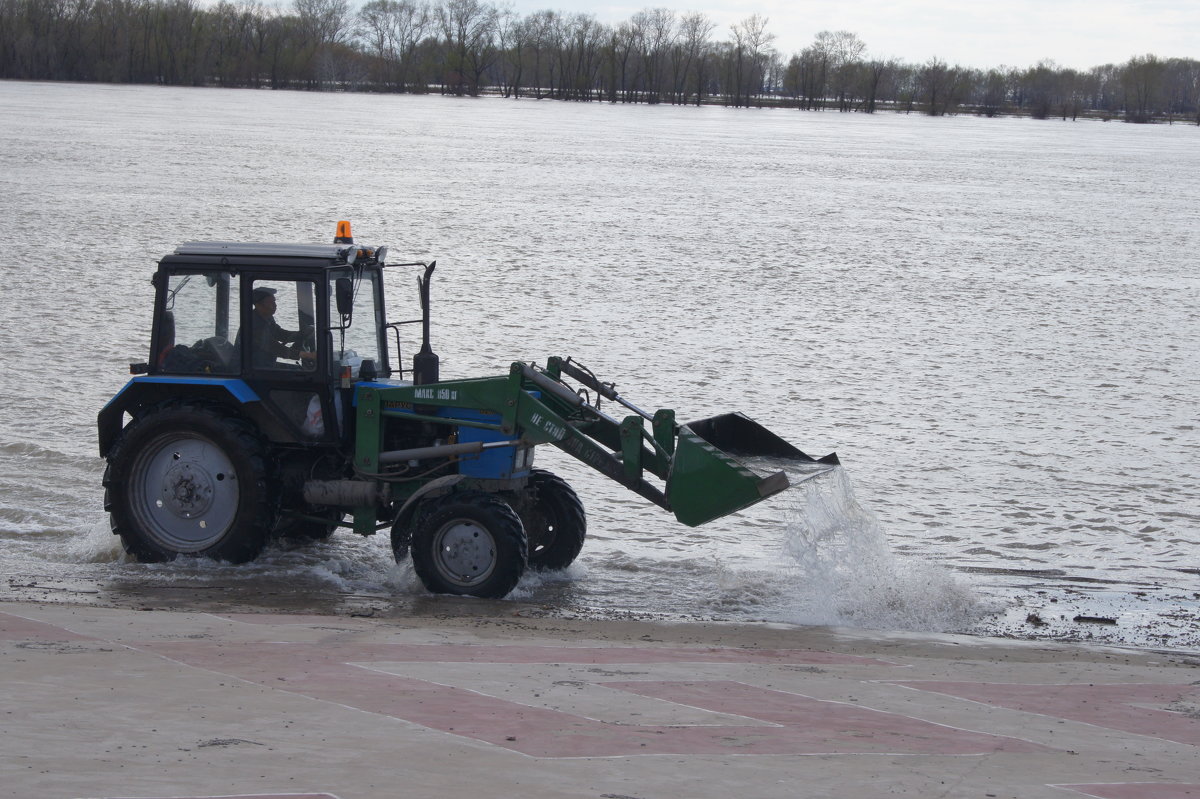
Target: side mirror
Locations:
point(343, 289)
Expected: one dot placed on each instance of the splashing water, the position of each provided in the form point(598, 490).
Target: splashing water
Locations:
point(814, 556)
point(96, 544)
point(843, 571)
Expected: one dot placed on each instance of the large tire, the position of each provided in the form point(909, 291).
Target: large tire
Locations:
point(469, 543)
point(190, 479)
point(554, 521)
point(402, 535)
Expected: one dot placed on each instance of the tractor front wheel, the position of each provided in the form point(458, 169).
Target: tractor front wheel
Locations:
point(469, 543)
point(189, 479)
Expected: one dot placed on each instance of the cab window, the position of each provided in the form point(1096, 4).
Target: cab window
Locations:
point(196, 328)
point(283, 324)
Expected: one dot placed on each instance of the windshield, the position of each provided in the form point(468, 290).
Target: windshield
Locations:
point(355, 336)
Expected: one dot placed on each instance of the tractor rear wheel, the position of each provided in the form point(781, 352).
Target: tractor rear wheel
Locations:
point(189, 479)
point(554, 521)
point(470, 543)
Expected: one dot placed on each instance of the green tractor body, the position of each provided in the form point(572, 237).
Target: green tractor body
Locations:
point(275, 403)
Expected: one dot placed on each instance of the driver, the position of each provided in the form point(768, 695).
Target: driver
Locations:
point(268, 340)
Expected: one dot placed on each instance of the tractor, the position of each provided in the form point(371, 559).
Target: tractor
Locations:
point(276, 403)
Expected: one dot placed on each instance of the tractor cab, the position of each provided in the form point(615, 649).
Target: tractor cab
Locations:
point(290, 322)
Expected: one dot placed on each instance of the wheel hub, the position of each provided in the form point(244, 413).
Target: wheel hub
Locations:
point(187, 490)
point(466, 553)
point(184, 491)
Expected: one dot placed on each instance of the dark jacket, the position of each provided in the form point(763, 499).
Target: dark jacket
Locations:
point(269, 342)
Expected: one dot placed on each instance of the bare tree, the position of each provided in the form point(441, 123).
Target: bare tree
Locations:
point(1070, 94)
point(877, 76)
point(842, 50)
point(540, 32)
point(826, 66)
point(993, 92)
point(751, 50)
point(391, 31)
point(512, 36)
point(586, 37)
point(691, 54)
point(1142, 80)
point(656, 27)
point(324, 21)
point(626, 44)
point(469, 28)
point(940, 87)
point(1181, 87)
point(235, 37)
point(322, 25)
point(804, 77)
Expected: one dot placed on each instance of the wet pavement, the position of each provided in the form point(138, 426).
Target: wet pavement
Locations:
point(231, 701)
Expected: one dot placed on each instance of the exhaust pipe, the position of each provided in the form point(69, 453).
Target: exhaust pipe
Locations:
point(426, 365)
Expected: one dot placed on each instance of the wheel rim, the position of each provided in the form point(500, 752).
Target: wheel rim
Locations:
point(184, 492)
point(464, 552)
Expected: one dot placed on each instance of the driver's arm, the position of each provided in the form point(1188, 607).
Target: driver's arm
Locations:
point(297, 340)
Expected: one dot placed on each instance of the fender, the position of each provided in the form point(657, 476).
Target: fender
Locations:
point(434, 488)
point(141, 392)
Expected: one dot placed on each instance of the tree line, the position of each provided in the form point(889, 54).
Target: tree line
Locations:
point(472, 47)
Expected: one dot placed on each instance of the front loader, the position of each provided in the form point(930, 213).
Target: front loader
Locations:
point(240, 429)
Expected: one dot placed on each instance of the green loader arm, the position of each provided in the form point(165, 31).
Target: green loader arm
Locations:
point(702, 479)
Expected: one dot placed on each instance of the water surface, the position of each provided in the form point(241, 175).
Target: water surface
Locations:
point(994, 322)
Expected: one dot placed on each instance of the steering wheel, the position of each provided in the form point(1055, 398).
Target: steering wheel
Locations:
point(308, 343)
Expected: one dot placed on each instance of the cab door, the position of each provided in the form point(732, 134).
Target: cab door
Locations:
point(285, 360)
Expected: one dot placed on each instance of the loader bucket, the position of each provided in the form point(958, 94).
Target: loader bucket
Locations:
point(707, 481)
point(739, 435)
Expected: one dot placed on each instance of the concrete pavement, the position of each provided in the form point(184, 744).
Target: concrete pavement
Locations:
point(109, 702)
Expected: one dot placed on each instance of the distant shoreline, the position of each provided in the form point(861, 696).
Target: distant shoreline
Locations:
point(762, 103)
point(460, 48)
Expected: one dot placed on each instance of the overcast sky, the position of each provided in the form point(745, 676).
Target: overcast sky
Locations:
point(978, 33)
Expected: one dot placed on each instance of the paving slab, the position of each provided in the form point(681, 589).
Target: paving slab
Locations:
point(110, 703)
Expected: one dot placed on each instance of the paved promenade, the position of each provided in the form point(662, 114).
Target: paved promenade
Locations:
point(100, 702)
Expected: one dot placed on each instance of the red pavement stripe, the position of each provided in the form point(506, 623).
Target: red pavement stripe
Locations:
point(828, 721)
point(280, 619)
point(243, 796)
point(1120, 706)
point(18, 628)
point(805, 726)
point(608, 655)
point(1136, 790)
point(467, 653)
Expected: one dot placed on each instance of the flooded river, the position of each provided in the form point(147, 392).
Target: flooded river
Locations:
point(994, 322)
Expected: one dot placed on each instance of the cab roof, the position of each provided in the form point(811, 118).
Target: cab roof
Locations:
point(272, 255)
point(329, 252)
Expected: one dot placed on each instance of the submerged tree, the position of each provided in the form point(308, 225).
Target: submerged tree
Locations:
point(1142, 81)
point(749, 54)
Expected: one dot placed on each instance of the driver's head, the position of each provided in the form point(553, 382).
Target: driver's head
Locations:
point(264, 301)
